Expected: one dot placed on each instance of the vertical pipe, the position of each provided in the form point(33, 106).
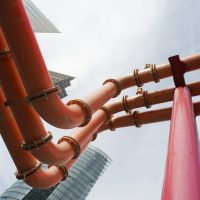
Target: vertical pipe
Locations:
point(182, 174)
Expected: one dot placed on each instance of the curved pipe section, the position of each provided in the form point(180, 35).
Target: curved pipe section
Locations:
point(29, 122)
point(36, 79)
point(33, 71)
point(24, 160)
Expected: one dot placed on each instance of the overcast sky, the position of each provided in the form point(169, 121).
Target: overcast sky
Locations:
point(101, 39)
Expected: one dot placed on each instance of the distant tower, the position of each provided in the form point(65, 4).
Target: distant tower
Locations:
point(61, 81)
point(82, 177)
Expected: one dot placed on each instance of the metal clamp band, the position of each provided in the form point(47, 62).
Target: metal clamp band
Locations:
point(37, 143)
point(153, 71)
point(23, 175)
point(5, 53)
point(64, 171)
point(117, 84)
point(108, 115)
point(135, 119)
point(125, 104)
point(74, 144)
point(86, 109)
point(136, 77)
point(145, 97)
point(41, 94)
point(110, 125)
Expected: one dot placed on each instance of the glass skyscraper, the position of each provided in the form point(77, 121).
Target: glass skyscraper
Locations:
point(82, 177)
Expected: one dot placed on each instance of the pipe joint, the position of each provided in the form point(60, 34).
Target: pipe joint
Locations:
point(117, 84)
point(107, 112)
point(41, 94)
point(135, 119)
point(37, 143)
point(136, 78)
point(110, 125)
point(72, 142)
point(153, 71)
point(26, 173)
point(125, 104)
point(63, 169)
point(85, 107)
point(145, 97)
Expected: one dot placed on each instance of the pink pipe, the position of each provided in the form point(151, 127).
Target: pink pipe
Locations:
point(34, 74)
point(182, 174)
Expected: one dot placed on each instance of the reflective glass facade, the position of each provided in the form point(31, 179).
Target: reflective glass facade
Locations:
point(39, 22)
point(82, 177)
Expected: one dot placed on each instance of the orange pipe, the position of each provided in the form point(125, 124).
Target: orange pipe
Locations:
point(153, 98)
point(34, 73)
point(11, 135)
point(22, 159)
point(45, 179)
point(148, 117)
point(35, 77)
point(29, 122)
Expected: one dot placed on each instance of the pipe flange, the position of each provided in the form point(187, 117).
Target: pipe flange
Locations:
point(41, 94)
point(74, 144)
point(64, 171)
point(137, 78)
point(125, 104)
point(107, 112)
point(135, 119)
point(117, 84)
point(153, 71)
point(26, 173)
point(146, 100)
point(37, 143)
point(86, 109)
point(110, 125)
point(145, 97)
point(5, 53)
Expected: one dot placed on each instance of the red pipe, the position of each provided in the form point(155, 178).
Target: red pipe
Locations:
point(182, 174)
point(32, 68)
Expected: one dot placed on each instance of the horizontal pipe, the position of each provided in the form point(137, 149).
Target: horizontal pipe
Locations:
point(155, 97)
point(35, 77)
point(163, 71)
point(148, 117)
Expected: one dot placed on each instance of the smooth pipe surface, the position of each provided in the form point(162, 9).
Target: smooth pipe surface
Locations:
point(23, 160)
point(12, 137)
point(143, 118)
point(155, 97)
point(34, 74)
point(29, 122)
point(182, 174)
